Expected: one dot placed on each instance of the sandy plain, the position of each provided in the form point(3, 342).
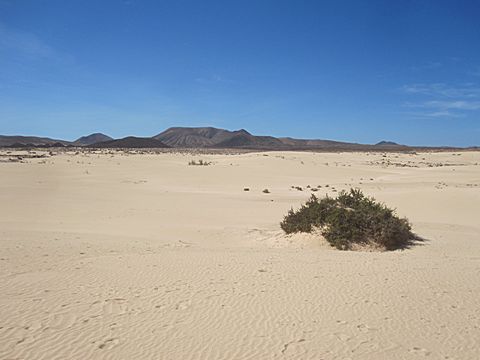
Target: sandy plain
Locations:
point(137, 255)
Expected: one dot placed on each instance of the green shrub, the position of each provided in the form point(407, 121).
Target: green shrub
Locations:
point(350, 218)
point(199, 163)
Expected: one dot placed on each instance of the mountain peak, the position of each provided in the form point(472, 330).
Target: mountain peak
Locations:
point(242, 131)
point(92, 139)
point(389, 143)
point(194, 136)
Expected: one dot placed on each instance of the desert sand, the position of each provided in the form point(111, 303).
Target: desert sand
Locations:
point(130, 255)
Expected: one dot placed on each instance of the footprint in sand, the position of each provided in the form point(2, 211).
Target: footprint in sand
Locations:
point(286, 345)
point(115, 306)
point(342, 336)
point(109, 344)
point(419, 351)
point(365, 328)
point(182, 305)
point(35, 325)
point(62, 321)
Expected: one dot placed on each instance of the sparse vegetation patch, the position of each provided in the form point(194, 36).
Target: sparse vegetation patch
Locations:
point(351, 220)
point(199, 163)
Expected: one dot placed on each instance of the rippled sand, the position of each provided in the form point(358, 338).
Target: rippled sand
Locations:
point(141, 256)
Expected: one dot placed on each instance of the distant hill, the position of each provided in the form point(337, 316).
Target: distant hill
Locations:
point(130, 142)
point(24, 141)
point(91, 139)
point(316, 144)
point(193, 137)
point(243, 139)
point(387, 143)
point(210, 137)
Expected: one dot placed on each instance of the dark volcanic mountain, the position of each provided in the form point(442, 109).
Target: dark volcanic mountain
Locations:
point(91, 139)
point(22, 141)
point(205, 137)
point(209, 137)
point(194, 137)
point(387, 143)
point(130, 142)
point(243, 139)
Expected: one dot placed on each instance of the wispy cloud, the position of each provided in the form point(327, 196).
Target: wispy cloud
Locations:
point(443, 90)
point(441, 100)
point(454, 105)
point(24, 43)
point(433, 113)
point(446, 105)
point(443, 113)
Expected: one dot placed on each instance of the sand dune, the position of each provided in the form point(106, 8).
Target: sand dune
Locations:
point(110, 255)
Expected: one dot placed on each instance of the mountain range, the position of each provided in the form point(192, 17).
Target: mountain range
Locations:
point(23, 141)
point(199, 137)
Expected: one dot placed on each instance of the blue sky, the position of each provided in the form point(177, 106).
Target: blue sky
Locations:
point(361, 71)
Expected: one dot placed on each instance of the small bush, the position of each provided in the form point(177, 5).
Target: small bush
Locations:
point(350, 219)
point(199, 163)
point(266, 191)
